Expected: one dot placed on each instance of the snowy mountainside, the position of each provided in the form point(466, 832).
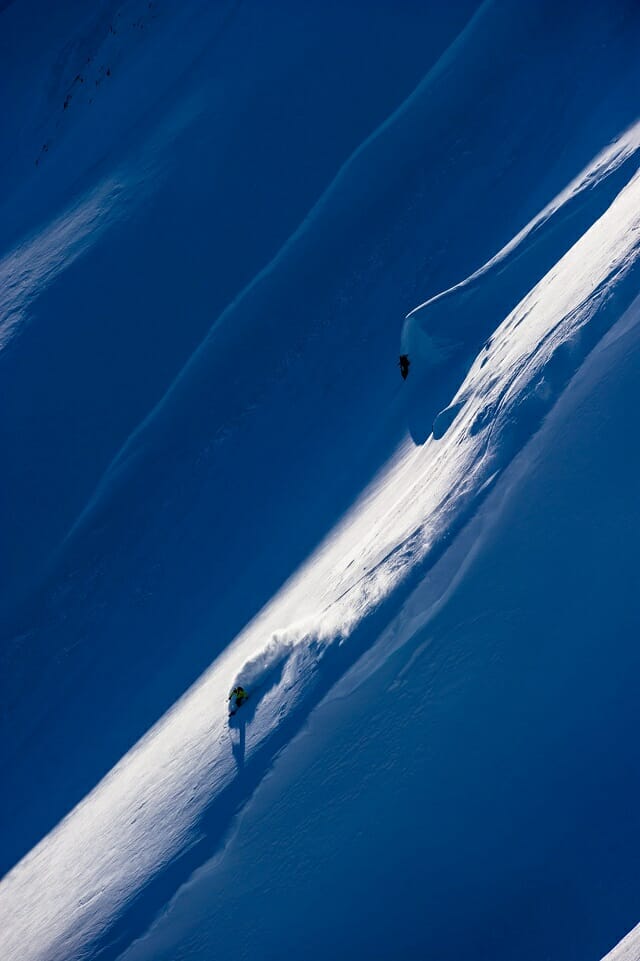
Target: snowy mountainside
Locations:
point(141, 159)
point(627, 950)
point(427, 587)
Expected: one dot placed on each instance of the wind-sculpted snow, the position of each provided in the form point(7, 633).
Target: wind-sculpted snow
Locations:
point(287, 497)
point(147, 96)
point(190, 763)
point(479, 754)
point(531, 356)
point(449, 329)
point(34, 265)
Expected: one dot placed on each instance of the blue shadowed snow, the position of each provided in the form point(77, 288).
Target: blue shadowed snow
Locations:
point(213, 474)
point(220, 134)
point(485, 773)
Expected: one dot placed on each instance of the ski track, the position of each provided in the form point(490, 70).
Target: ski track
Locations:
point(191, 772)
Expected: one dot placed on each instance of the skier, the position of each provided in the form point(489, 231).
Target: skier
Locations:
point(403, 364)
point(237, 698)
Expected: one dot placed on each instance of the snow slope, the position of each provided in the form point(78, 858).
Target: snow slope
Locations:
point(627, 950)
point(428, 587)
point(478, 761)
point(152, 175)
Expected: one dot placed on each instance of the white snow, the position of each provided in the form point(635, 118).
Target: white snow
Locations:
point(627, 950)
point(151, 800)
point(353, 550)
point(34, 264)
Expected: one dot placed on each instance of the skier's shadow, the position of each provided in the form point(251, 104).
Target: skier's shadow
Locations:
point(238, 745)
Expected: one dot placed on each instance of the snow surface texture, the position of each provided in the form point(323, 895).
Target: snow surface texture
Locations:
point(628, 949)
point(215, 475)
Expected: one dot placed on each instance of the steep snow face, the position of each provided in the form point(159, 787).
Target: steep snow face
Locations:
point(291, 516)
point(159, 155)
point(190, 771)
point(478, 760)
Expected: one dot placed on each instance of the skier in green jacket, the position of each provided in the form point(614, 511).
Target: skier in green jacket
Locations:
point(237, 698)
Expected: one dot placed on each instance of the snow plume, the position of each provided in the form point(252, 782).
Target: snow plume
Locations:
point(284, 673)
point(267, 665)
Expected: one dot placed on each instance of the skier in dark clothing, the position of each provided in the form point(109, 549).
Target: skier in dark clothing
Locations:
point(404, 363)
